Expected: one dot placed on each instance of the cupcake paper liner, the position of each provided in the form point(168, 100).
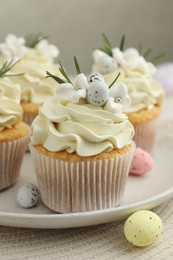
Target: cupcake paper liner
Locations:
point(81, 186)
point(11, 159)
point(145, 135)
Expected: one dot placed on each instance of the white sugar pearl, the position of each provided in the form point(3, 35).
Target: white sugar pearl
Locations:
point(107, 64)
point(27, 195)
point(97, 94)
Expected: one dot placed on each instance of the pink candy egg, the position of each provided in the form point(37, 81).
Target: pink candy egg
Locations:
point(142, 162)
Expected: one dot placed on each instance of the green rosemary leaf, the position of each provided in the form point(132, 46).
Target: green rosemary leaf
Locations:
point(7, 67)
point(57, 79)
point(140, 48)
point(107, 51)
point(114, 80)
point(122, 43)
point(155, 59)
point(147, 53)
point(32, 40)
point(63, 72)
point(77, 65)
point(106, 42)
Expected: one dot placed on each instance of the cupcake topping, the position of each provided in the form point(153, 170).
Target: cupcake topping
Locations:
point(10, 109)
point(13, 47)
point(113, 98)
point(16, 47)
point(109, 59)
point(78, 118)
point(36, 55)
point(135, 72)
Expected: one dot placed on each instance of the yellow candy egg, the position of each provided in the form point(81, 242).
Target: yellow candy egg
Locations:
point(143, 227)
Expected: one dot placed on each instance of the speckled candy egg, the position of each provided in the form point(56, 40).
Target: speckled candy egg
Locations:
point(142, 162)
point(27, 195)
point(142, 228)
point(94, 78)
point(97, 94)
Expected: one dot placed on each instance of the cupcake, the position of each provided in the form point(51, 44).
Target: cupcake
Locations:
point(14, 135)
point(82, 146)
point(37, 56)
point(145, 93)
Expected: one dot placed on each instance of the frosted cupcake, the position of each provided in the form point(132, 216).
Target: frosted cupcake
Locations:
point(37, 56)
point(14, 135)
point(145, 93)
point(82, 145)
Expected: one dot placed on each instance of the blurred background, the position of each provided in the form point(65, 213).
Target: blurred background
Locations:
point(76, 26)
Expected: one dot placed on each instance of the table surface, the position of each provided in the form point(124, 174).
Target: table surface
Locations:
point(105, 241)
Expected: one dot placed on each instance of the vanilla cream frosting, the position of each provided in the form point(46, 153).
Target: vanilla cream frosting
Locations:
point(34, 62)
point(136, 74)
point(35, 88)
point(82, 128)
point(10, 109)
point(143, 91)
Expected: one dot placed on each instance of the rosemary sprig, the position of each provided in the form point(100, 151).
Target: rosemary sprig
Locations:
point(147, 53)
point(122, 43)
point(155, 59)
point(63, 72)
point(114, 80)
point(107, 47)
point(77, 65)
point(32, 40)
point(106, 42)
point(59, 80)
point(7, 67)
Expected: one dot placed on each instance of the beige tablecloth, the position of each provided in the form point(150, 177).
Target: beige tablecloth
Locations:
point(96, 242)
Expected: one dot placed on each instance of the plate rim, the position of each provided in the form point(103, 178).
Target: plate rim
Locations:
point(114, 214)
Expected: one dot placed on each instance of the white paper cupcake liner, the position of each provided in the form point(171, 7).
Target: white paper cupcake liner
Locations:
point(81, 186)
point(145, 135)
point(11, 155)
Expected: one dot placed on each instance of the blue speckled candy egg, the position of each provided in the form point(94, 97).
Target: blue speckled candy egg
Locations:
point(27, 195)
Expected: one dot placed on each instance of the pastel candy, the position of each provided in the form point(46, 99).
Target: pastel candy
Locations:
point(27, 195)
point(142, 162)
point(142, 228)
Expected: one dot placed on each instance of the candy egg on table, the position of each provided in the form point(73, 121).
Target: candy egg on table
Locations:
point(28, 195)
point(142, 162)
point(142, 228)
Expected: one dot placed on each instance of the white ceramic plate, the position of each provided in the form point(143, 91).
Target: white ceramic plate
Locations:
point(144, 192)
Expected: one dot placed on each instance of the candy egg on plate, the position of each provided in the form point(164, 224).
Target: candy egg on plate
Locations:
point(27, 195)
point(142, 162)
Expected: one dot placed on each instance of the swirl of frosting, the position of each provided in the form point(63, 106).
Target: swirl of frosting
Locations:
point(10, 110)
point(143, 91)
point(35, 88)
point(130, 61)
point(81, 128)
